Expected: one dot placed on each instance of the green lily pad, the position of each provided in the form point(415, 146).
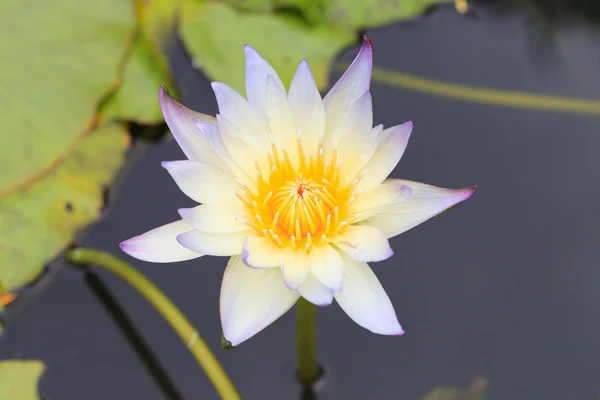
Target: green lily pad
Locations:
point(136, 99)
point(358, 14)
point(40, 220)
point(475, 391)
point(215, 33)
point(19, 379)
point(59, 58)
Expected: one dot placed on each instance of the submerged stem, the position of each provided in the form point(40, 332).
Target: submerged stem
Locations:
point(167, 309)
point(306, 345)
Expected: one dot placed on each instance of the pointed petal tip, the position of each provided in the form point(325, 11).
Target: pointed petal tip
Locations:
point(166, 164)
point(367, 41)
point(124, 245)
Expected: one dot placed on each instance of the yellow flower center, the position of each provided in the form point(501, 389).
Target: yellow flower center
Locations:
point(302, 206)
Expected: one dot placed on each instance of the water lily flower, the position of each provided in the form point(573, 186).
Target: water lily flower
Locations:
point(293, 188)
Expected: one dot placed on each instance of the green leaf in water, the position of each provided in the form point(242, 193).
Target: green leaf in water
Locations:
point(39, 220)
point(136, 99)
point(19, 379)
point(358, 14)
point(215, 34)
point(59, 59)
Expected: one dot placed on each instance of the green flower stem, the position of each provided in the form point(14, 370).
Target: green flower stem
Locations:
point(167, 309)
point(306, 345)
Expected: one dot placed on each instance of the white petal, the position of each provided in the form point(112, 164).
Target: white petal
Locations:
point(370, 203)
point(355, 81)
point(357, 151)
point(315, 292)
point(250, 121)
point(327, 266)
point(280, 119)
point(213, 218)
point(425, 202)
point(160, 245)
point(355, 125)
point(204, 183)
point(307, 108)
point(365, 301)
point(389, 151)
point(364, 243)
point(261, 252)
point(213, 137)
point(236, 143)
point(294, 267)
point(257, 70)
point(182, 123)
point(251, 299)
point(214, 244)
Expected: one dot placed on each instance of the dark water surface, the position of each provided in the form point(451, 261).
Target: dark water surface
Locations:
point(504, 286)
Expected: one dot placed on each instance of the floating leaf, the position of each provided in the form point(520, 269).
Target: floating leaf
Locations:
point(40, 220)
point(475, 391)
point(136, 99)
point(19, 379)
point(59, 58)
point(358, 14)
point(215, 34)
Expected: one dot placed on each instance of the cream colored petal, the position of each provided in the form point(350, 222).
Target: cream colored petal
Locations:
point(355, 81)
point(364, 243)
point(425, 202)
point(261, 252)
point(182, 123)
point(356, 151)
point(370, 203)
point(213, 137)
point(204, 183)
point(249, 120)
point(355, 124)
point(307, 108)
point(389, 151)
point(252, 299)
point(257, 70)
point(214, 218)
point(294, 267)
point(327, 266)
point(237, 146)
point(214, 244)
point(314, 291)
point(365, 300)
point(281, 121)
point(160, 245)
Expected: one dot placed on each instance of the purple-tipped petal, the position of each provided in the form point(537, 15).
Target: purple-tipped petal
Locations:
point(425, 202)
point(252, 299)
point(182, 123)
point(307, 107)
point(355, 81)
point(160, 245)
point(257, 70)
point(389, 151)
point(365, 300)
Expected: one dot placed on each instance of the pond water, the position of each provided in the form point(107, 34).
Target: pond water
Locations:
point(504, 286)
